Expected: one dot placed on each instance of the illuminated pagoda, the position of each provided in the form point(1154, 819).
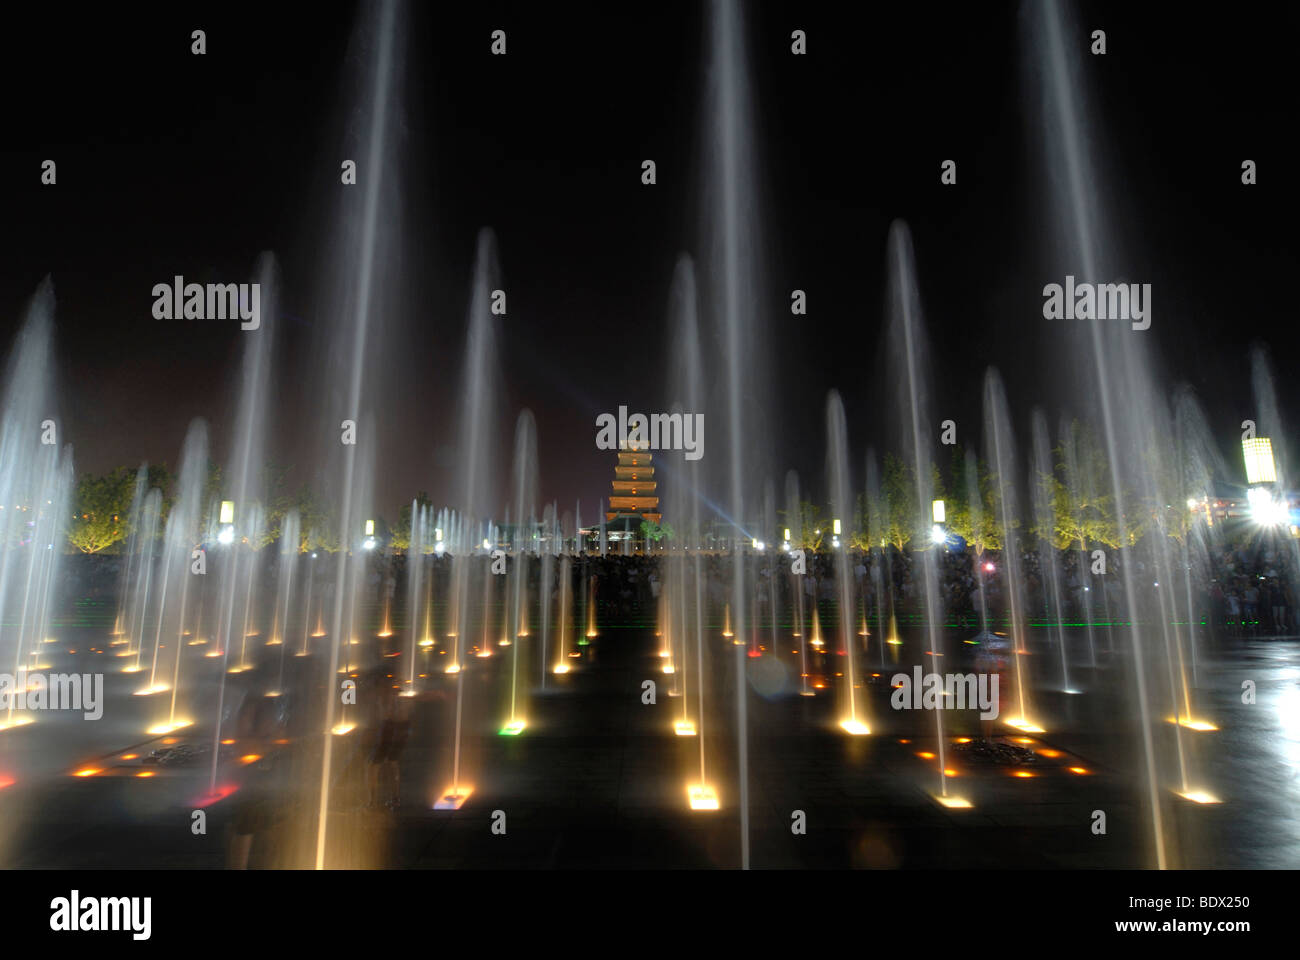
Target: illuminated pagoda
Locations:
point(634, 498)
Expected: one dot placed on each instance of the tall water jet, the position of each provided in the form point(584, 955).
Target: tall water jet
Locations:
point(853, 713)
point(736, 307)
point(47, 530)
point(415, 586)
point(254, 531)
point(35, 479)
point(290, 539)
point(545, 601)
point(1000, 444)
point(30, 471)
point(1086, 513)
point(474, 492)
point(561, 665)
point(240, 531)
point(524, 502)
point(768, 581)
point(366, 250)
point(881, 529)
point(476, 420)
point(1044, 499)
point(911, 357)
point(1199, 465)
point(184, 534)
point(307, 621)
point(1056, 49)
point(123, 629)
point(980, 530)
point(792, 539)
point(682, 596)
point(181, 538)
point(1159, 500)
point(150, 514)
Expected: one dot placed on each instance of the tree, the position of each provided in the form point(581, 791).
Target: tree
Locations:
point(900, 499)
point(860, 536)
point(278, 503)
point(973, 518)
point(1050, 499)
point(1162, 508)
point(316, 522)
point(1084, 509)
point(811, 526)
point(102, 505)
point(401, 532)
point(159, 477)
point(654, 532)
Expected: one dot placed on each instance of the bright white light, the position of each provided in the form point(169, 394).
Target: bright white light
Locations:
point(439, 547)
point(835, 541)
point(939, 511)
point(226, 535)
point(1264, 510)
point(369, 543)
point(835, 527)
point(486, 543)
point(954, 803)
point(937, 535)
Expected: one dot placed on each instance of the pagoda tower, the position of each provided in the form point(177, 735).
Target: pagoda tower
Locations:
point(634, 498)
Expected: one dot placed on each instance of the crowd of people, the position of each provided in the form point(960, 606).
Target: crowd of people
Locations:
point(1247, 590)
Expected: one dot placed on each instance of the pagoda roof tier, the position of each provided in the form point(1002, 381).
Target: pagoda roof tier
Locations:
point(633, 473)
point(633, 503)
point(633, 458)
point(633, 486)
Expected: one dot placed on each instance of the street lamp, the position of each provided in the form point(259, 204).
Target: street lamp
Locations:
point(226, 534)
point(1258, 454)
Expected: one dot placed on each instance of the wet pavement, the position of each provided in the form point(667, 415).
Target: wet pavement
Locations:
point(599, 780)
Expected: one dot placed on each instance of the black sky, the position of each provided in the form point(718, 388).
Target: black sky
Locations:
point(174, 164)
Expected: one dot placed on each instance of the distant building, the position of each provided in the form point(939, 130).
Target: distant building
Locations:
point(635, 496)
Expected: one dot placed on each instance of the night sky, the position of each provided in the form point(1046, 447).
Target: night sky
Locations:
point(170, 164)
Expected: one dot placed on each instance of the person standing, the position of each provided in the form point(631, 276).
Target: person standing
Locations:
point(1277, 604)
point(1252, 606)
